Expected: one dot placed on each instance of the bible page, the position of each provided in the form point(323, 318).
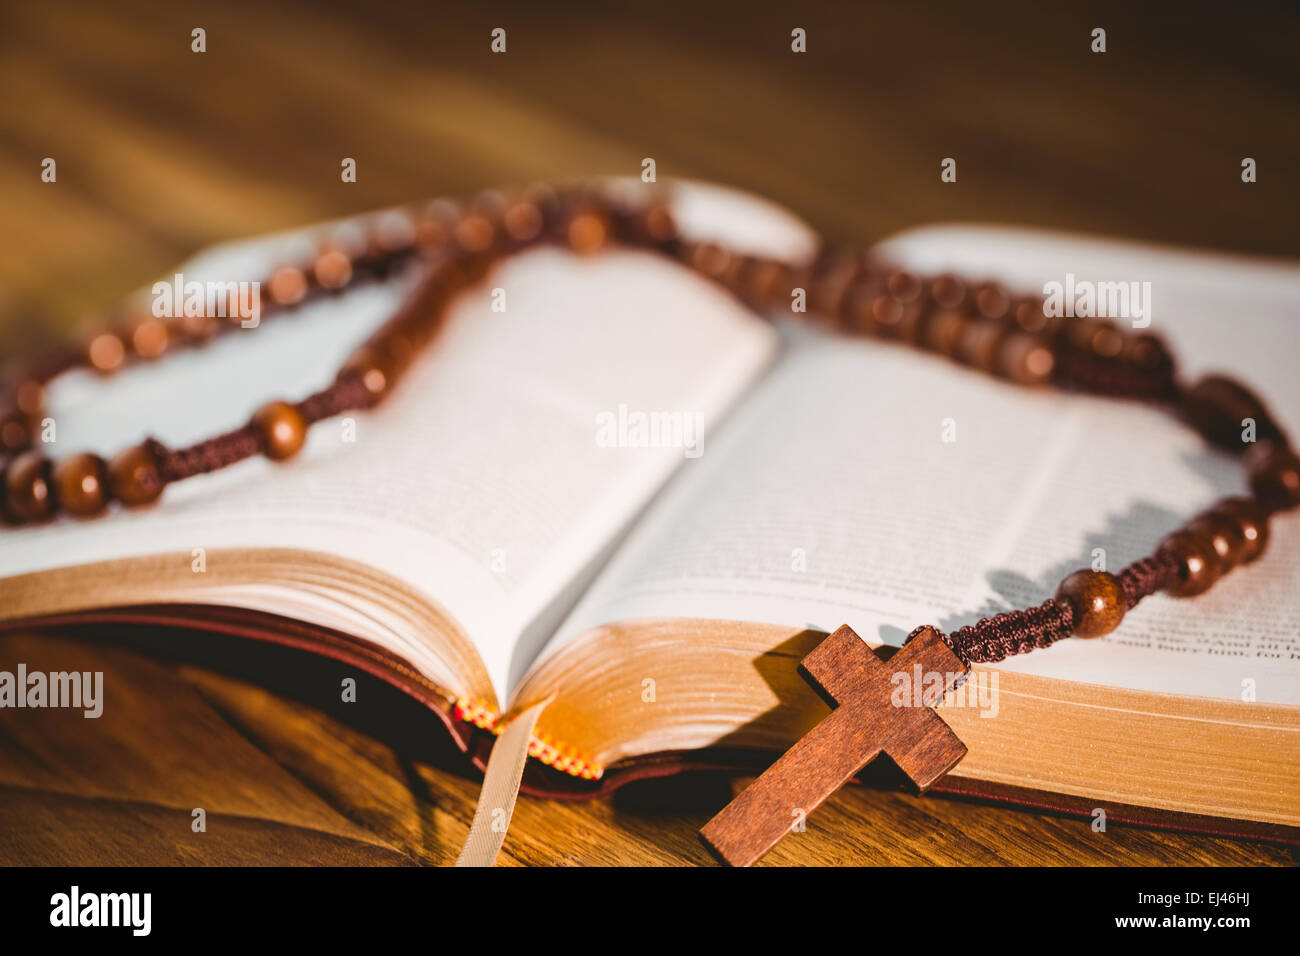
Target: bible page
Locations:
point(867, 484)
point(506, 457)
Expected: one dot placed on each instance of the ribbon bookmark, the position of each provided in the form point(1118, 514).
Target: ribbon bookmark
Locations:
point(496, 800)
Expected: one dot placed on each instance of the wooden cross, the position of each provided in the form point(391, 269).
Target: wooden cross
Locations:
point(876, 711)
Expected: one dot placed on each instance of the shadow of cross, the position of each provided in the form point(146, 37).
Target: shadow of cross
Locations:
point(875, 710)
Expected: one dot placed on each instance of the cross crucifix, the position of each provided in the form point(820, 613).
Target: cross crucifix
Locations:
point(877, 710)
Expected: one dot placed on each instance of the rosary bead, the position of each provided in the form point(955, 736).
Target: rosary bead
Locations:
point(1216, 406)
point(1146, 351)
point(81, 484)
point(1097, 600)
point(1225, 533)
point(904, 286)
point(915, 320)
point(431, 231)
point(709, 258)
point(1275, 476)
point(1029, 315)
point(1252, 519)
point(332, 269)
point(734, 277)
point(588, 231)
point(287, 285)
point(1198, 564)
point(15, 432)
point(281, 428)
point(981, 343)
point(27, 492)
point(768, 283)
point(373, 368)
point(1025, 358)
point(393, 232)
point(992, 301)
point(475, 233)
point(948, 292)
point(149, 338)
point(133, 476)
point(1107, 341)
point(656, 223)
point(830, 288)
point(30, 397)
point(106, 352)
point(523, 220)
point(887, 312)
point(943, 331)
point(198, 328)
point(1079, 331)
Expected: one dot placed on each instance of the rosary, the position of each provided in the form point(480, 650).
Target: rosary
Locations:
point(976, 324)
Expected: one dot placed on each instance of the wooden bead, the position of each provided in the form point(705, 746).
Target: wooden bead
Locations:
point(943, 332)
point(656, 223)
point(1025, 358)
point(1146, 351)
point(391, 233)
point(904, 286)
point(1029, 315)
point(1080, 331)
point(1097, 600)
point(948, 292)
point(1252, 519)
point(1197, 562)
point(475, 233)
point(885, 315)
point(830, 288)
point(198, 327)
point(28, 495)
point(281, 428)
point(767, 283)
point(287, 285)
point(15, 432)
point(374, 368)
point(149, 338)
point(29, 397)
point(431, 231)
point(733, 277)
point(1217, 406)
point(1275, 477)
point(332, 269)
point(523, 220)
point(81, 484)
point(992, 301)
point(981, 343)
point(588, 232)
point(133, 476)
point(106, 352)
point(1226, 534)
point(1107, 341)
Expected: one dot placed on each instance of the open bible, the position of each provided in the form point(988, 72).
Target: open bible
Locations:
point(611, 484)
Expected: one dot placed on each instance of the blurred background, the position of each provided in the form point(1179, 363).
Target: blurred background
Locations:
point(161, 150)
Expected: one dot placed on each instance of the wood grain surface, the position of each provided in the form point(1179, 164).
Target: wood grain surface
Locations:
point(161, 151)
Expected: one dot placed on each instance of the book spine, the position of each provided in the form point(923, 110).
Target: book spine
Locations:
point(556, 756)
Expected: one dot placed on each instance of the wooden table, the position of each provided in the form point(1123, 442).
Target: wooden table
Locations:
point(161, 150)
